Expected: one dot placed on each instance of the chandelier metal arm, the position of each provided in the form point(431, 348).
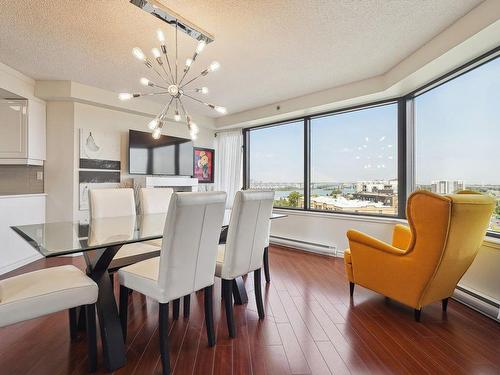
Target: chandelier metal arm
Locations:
point(193, 79)
point(196, 99)
point(164, 112)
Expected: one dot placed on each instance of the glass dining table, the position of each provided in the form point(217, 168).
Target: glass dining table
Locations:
point(99, 241)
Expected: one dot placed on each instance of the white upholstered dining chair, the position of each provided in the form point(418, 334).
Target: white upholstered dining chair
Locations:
point(155, 201)
point(106, 203)
point(244, 248)
point(186, 263)
point(34, 294)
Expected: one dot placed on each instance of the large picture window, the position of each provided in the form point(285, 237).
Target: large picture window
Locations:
point(354, 161)
point(277, 162)
point(457, 134)
point(442, 138)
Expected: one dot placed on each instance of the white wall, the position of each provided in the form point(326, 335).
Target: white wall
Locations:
point(118, 123)
point(327, 229)
point(59, 163)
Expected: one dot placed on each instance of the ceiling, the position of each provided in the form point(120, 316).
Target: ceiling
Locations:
point(269, 50)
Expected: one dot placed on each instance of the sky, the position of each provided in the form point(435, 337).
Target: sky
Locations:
point(457, 138)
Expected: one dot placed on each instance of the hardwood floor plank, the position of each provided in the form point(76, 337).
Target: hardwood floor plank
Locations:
point(296, 360)
point(223, 360)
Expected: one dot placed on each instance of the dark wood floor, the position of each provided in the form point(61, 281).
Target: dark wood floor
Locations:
point(311, 327)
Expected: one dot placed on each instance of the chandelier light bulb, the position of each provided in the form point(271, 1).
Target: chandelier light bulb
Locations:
point(161, 36)
point(203, 90)
point(214, 66)
point(156, 52)
point(145, 81)
point(157, 133)
point(125, 96)
point(189, 62)
point(177, 116)
point(139, 55)
point(194, 128)
point(201, 46)
point(153, 124)
point(221, 110)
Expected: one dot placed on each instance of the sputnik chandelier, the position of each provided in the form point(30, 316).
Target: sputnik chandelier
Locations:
point(172, 84)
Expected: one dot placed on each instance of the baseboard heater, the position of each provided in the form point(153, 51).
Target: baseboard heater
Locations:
point(307, 246)
point(478, 302)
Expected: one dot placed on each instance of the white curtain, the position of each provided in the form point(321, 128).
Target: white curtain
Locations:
point(229, 164)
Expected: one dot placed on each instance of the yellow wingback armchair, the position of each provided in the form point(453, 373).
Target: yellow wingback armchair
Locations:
point(427, 259)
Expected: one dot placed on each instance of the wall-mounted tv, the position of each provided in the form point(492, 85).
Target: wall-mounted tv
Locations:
point(167, 155)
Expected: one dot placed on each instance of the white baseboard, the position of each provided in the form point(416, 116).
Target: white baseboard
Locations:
point(21, 262)
point(486, 305)
point(306, 246)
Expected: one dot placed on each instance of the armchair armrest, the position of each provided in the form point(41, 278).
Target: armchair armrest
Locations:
point(401, 236)
point(371, 242)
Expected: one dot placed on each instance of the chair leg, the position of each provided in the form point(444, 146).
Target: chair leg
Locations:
point(124, 293)
point(228, 305)
point(112, 279)
point(163, 331)
point(73, 326)
point(209, 314)
point(187, 306)
point(445, 304)
point(91, 337)
point(418, 312)
point(258, 293)
point(177, 305)
point(266, 264)
point(351, 288)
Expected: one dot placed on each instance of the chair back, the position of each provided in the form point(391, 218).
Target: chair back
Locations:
point(190, 241)
point(111, 203)
point(154, 200)
point(248, 232)
point(447, 232)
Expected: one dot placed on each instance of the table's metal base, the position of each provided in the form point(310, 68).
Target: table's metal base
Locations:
point(113, 344)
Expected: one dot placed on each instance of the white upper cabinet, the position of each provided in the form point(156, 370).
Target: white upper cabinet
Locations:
point(22, 131)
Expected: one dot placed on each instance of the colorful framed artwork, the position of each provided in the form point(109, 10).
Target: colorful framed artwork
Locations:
point(204, 163)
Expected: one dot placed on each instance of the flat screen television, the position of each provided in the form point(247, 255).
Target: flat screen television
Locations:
point(167, 155)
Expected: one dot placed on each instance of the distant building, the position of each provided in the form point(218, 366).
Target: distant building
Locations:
point(447, 186)
point(378, 186)
point(350, 205)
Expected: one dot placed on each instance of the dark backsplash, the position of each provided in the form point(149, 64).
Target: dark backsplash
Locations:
point(20, 179)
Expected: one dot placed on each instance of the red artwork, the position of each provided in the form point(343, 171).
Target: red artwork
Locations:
point(204, 164)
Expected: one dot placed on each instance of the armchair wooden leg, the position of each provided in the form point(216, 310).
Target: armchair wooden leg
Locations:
point(124, 293)
point(266, 264)
point(176, 308)
point(228, 304)
point(91, 337)
point(418, 312)
point(444, 303)
point(163, 332)
point(187, 306)
point(351, 288)
point(258, 293)
point(209, 314)
point(73, 326)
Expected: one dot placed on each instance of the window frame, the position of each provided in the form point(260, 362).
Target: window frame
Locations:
point(405, 138)
point(401, 169)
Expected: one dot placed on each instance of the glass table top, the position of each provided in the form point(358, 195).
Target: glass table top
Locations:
point(68, 237)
